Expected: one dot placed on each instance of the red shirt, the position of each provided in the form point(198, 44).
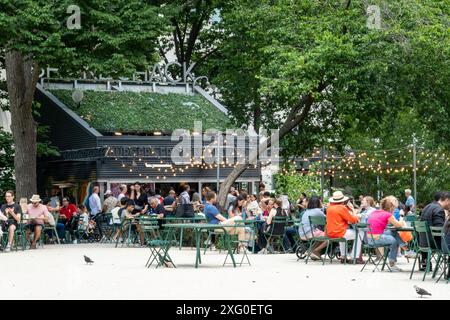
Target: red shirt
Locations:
point(69, 211)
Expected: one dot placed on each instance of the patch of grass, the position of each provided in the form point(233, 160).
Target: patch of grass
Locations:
point(143, 112)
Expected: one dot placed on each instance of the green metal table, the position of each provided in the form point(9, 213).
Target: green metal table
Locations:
point(198, 228)
point(183, 220)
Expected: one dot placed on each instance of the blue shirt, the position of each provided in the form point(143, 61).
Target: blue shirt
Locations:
point(211, 212)
point(410, 201)
point(397, 214)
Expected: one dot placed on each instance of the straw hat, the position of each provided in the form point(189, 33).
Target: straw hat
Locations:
point(35, 198)
point(337, 197)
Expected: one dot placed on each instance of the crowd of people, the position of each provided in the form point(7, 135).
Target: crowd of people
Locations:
point(340, 212)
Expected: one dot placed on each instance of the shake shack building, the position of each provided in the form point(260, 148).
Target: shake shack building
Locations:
point(113, 132)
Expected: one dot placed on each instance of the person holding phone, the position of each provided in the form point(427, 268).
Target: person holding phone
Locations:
point(339, 215)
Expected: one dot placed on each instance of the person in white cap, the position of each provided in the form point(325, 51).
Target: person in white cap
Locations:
point(340, 214)
point(110, 202)
point(38, 214)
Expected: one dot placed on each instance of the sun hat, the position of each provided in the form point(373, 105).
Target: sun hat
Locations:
point(337, 197)
point(35, 198)
point(108, 192)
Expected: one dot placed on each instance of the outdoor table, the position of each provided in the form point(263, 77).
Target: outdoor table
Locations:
point(198, 228)
point(194, 219)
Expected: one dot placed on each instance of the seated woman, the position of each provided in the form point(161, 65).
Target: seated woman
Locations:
point(236, 207)
point(274, 208)
point(214, 217)
point(253, 209)
point(378, 222)
point(313, 209)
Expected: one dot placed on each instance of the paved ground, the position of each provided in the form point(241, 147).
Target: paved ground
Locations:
point(59, 272)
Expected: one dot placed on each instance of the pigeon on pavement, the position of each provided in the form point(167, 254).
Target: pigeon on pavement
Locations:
point(422, 292)
point(88, 260)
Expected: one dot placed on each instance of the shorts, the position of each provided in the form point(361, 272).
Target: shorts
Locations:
point(31, 227)
point(6, 224)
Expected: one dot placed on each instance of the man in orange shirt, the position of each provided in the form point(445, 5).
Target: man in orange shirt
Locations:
point(339, 216)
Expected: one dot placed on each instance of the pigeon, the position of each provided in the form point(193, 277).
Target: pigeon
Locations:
point(88, 260)
point(422, 292)
point(353, 279)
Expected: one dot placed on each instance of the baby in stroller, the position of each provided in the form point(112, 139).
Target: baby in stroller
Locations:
point(85, 226)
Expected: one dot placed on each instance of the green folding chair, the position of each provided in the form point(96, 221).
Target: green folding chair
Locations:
point(50, 228)
point(236, 243)
point(316, 223)
point(445, 255)
point(372, 248)
point(421, 228)
point(276, 233)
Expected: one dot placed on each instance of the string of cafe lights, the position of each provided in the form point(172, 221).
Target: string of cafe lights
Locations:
point(390, 161)
point(136, 163)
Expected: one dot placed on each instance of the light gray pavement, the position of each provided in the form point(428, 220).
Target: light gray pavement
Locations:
point(59, 272)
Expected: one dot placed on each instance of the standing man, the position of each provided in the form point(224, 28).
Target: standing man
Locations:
point(410, 202)
point(123, 192)
point(10, 213)
point(94, 202)
point(184, 196)
point(110, 201)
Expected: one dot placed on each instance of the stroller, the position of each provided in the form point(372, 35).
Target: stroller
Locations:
point(84, 232)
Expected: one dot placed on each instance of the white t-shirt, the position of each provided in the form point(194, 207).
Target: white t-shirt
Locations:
point(115, 215)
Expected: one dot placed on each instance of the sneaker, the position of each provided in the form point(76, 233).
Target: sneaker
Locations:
point(75, 241)
point(8, 248)
point(394, 268)
point(212, 247)
point(314, 256)
point(410, 254)
point(33, 246)
point(262, 251)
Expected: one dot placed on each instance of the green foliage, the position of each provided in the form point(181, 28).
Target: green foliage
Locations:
point(6, 162)
point(115, 37)
point(276, 52)
point(293, 184)
point(395, 134)
point(132, 112)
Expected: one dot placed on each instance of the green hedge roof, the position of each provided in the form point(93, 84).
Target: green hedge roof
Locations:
point(144, 112)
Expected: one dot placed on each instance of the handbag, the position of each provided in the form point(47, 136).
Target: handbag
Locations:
point(406, 236)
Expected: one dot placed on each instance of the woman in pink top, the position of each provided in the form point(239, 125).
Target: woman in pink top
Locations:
point(379, 236)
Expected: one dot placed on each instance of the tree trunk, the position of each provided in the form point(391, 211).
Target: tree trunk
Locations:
point(296, 116)
point(22, 75)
